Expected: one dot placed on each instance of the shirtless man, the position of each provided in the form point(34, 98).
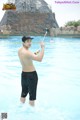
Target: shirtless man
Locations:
point(29, 77)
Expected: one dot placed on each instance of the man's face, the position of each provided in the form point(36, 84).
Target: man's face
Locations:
point(27, 43)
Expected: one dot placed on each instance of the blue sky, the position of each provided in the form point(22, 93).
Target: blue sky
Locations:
point(64, 12)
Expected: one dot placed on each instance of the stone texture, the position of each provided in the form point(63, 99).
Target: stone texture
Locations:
point(32, 6)
point(31, 17)
point(65, 31)
point(78, 28)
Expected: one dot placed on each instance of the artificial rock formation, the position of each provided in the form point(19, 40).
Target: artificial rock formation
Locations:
point(31, 17)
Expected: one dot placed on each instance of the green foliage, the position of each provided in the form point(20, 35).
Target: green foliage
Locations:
point(73, 23)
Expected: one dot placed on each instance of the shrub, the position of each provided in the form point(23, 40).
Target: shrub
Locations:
point(73, 23)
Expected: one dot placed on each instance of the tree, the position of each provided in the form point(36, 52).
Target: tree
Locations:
point(73, 23)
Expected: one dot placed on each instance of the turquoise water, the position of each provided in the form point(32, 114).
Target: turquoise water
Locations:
point(58, 95)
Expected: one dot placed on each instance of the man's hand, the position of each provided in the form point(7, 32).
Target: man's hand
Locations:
point(42, 44)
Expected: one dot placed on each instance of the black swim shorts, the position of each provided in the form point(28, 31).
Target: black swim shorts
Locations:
point(29, 84)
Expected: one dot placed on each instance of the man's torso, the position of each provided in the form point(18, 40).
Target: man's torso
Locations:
point(26, 62)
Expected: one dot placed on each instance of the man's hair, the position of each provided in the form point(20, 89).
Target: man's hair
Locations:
point(24, 38)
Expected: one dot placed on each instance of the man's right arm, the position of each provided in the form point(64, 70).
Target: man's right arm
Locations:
point(39, 56)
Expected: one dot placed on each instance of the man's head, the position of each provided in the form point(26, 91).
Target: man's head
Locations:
point(27, 41)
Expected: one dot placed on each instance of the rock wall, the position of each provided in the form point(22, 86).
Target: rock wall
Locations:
point(66, 31)
point(27, 23)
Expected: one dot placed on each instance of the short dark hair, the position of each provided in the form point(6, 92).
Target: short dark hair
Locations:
point(24, 38)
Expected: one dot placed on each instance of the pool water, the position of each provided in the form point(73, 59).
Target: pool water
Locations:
point(58, 94)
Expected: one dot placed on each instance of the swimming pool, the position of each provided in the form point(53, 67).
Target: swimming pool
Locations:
point(58, 95)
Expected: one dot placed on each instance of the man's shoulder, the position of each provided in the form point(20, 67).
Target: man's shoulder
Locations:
point(19, 48)
point(21, 51)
